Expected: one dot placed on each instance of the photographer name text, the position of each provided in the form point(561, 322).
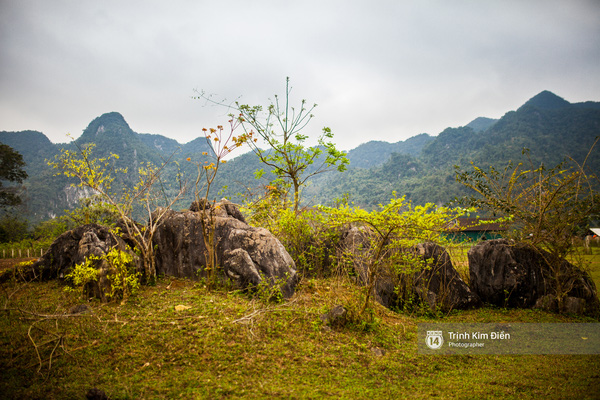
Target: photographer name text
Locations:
point(479, 336)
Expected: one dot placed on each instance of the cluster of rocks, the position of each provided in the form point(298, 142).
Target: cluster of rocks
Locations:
point(517, 275)
point(249, 256)
point(74, 247)
point(500, 272)
point(435, 283)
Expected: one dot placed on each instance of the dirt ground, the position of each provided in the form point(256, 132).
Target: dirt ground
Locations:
point(9, 262)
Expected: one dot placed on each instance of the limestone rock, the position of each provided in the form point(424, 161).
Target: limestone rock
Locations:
point(356, 244)
point(72, 248)
point(438, 283)
point(336, 317)
point(247, 255)
point(517, 275)
point(435, 283)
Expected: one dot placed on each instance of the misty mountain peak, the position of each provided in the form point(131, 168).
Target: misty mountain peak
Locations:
point(114, 116)
point(110, 125)
point(547, 100)
point(480, 124)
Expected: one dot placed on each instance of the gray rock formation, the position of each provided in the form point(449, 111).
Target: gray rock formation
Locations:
point(518, 275)
point(434, 282)
point(72, 248)
point(247, 255)
point(438, 283)
point(336, 317)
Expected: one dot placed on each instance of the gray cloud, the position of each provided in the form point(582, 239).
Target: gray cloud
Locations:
point(383, 70)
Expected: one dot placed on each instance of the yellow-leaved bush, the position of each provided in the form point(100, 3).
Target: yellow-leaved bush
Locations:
point(121, 275)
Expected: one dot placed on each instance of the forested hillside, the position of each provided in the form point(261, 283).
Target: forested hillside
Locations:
point(48, 195)
point(374, 153)
point(421, 167)
point(550, 127)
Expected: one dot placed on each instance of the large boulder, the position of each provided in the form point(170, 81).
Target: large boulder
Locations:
point(246, 255)
point(74, 247)
point(428, 278)
point(510, 274)
point(356, 248)
point(438, 282)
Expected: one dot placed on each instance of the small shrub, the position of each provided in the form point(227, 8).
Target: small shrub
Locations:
point(25, 263)
point(124, 280)
point(269, 291)
point(383, 237)
point(359, 319)
point(307, 235)
point(121, 275)
point(82, 276)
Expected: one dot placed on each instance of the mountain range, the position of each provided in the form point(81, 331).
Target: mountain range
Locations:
point(421, 167)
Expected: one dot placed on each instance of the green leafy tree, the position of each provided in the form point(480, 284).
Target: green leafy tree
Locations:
point(11, 170)
point(281, 126)
point(13, 228)
point(94, 210)
point(52, 228)
point(543, 205)
point(91, 210)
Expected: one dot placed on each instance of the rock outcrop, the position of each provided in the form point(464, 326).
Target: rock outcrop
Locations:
point(438, 283)
point(356, 247)
point(517, 275)
point(248, 256)
point(74, 247)
point(337, 317)
point(429, 277)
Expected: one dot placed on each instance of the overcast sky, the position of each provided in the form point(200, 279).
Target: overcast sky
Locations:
point(378, 69)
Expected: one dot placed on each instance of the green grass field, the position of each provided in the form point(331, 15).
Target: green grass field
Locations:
point(224, 344)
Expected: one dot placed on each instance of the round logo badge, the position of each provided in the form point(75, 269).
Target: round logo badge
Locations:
point(434, 339)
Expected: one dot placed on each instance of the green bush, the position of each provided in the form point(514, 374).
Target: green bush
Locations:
point(269, 291)
point(13, 228)
point(82, 276)
point(121, 275)
point(123, 278)
point(307, 235)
